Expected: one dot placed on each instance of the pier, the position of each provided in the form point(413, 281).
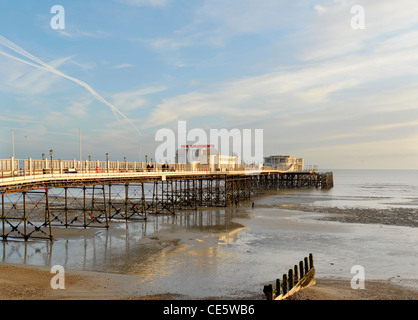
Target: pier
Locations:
point(37, 195)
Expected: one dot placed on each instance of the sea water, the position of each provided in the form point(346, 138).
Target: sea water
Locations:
point(373, 189)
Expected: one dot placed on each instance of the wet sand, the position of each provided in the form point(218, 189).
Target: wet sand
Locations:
point(326, 289)
point(32, 283)
point(232, 259)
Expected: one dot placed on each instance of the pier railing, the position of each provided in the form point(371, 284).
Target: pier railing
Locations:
point(12, 167)
point(28, 167)
point(46, 192)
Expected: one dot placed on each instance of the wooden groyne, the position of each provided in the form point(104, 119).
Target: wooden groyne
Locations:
point(300, 277)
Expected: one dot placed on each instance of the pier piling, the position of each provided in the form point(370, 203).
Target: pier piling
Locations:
point(68, 198)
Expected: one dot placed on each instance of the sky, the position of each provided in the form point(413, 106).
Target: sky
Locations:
point(318, 86)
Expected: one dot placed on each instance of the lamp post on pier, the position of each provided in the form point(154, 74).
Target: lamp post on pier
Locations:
point(107, 161)
point(51, 153)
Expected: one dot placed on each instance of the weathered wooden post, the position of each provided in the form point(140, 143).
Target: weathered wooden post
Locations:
point(310, 261)
point(278, 287)
point(284, 284)
point(298, 278)
point(268, 291)
point(290, 279)
point(296, 270)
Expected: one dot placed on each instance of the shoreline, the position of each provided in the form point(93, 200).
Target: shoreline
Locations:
point(404, 217)
point(390, 215)
point(32, 282)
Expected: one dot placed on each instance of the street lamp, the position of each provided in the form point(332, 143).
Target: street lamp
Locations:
point(51, 153)
point(107, 161)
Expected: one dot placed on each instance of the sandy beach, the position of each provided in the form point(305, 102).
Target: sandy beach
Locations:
point(232, 256)
point(33, 283)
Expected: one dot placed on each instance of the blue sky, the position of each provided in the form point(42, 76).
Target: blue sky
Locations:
point(122, 69)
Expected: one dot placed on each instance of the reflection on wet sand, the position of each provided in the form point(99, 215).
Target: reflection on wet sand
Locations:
point(209, 253)
point(129, 247)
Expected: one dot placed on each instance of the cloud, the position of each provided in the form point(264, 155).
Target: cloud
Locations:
point(78, 108)
point(41, 65)
point(307, 87)
point(71, 32)
point(246, 16)
point(346, 90)
point(329, 34)
point(216, 23)
point(20, 79)
point(123, 65)
point(21, 119)
point(134, 99)
point(142, 3)
point(367, 154)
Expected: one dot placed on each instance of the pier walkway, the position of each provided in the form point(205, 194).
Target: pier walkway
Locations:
point(37, 195)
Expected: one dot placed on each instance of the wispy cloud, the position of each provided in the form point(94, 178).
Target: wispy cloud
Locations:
point(20, 119)
point(141, 3)
point(134, 99)
point(304, 88)
point(71, 32)
point(78, 108)
point(123, 66)
point(37, 63)
point(216, 22)
point(335, 37)
point(18, 78)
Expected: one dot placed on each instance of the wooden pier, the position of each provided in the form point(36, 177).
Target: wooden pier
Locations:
point(68, 194)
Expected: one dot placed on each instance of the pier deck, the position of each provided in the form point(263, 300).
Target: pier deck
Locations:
point(35, 198)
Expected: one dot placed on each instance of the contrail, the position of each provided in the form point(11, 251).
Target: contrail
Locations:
point(45, 66)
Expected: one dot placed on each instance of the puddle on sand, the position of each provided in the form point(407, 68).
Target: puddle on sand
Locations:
point(124, 246)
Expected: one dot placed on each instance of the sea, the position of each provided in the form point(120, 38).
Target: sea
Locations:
point(231, 253)
point(372, 189)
